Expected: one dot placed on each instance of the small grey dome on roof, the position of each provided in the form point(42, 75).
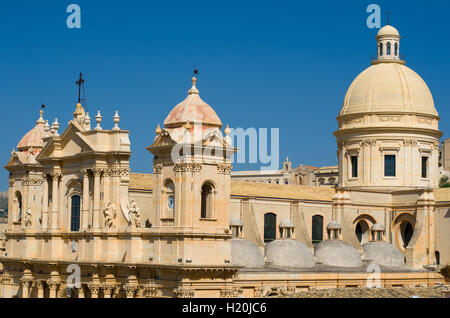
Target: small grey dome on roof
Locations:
point(235, 222)
point(377, 227)
point(289, 253)
point(286, 223)
point(334, 225)
point(383, 253)
point(245, 253)
point(337, 253)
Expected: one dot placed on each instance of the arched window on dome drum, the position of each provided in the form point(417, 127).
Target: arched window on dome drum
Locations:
point(362, 231)
point(396, 49)
point(207, 201)
point(169, 209)
point(438, 257)
point(388, 49)
point(381, 49)
point(270, 227)
point(317, 229)
point(75, 213)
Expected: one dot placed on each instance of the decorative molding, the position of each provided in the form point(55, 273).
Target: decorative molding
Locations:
point(151, 291)
point(97, 172)
point(187, 166)
point(231, 292)
point(94, 288)
point(182, 292)
point(55, 175)
point(130, 290)
point(410, 142)
point(27, 181)
point(368, 142)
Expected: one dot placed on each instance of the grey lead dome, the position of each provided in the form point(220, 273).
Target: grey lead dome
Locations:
point(289, 253)
point(337, 253)
point(245, 253)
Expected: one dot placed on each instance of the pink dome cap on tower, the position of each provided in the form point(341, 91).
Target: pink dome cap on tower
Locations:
point(33, 138)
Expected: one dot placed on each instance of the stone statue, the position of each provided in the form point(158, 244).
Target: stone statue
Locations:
point(134, 214)
point(27, 218)
point(109, 212)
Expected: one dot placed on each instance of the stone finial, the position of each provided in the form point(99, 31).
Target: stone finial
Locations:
point(227, 130)
point(98, 119)
point(188, 125)
point(87, 121)
point(158, 130)
point(46, 129)
point(193, 89)
point(41, 118)
point(116, 119)
point(55, 127)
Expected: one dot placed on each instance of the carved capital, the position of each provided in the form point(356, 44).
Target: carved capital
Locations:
point(55, 175)
point(11, 182)
point(53, 285)
point(85, 172)
point(368, 142)
point(151, 291)
point(157, 168)
point(130, 290)
point(259, 291)
point(26, 282)
point(224, 168)
point(97, 172)
point(94, 288)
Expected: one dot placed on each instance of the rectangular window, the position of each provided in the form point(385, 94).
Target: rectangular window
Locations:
point(354, 160)
point(424, 167)
point(389, 165)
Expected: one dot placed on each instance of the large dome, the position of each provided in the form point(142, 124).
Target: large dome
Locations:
point(289, 253)
point(388, 87)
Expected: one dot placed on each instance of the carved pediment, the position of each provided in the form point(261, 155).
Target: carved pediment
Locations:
point(71, 143)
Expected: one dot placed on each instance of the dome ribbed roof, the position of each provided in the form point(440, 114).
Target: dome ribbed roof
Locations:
point(33, 138)
point(194, 110)
point(383, 253)
point(388, 30)
point(388, 87)
point(245, 253)
point(337, 253)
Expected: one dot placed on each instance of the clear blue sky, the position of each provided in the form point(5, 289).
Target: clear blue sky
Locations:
point(284, 64)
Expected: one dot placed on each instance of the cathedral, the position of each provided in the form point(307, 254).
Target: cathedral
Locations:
point(82, 225)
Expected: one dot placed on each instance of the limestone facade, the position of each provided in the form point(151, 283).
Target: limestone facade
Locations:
point(81, 225)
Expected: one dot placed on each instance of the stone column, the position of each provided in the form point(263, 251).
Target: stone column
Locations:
point(26, 284)
point(45, 204)
point(55, 193)
point(107, 186)
point(85, 209)
point(80, 292)
point(53, 286)
point(96, 216)
point(11, 208)
point(40, 289)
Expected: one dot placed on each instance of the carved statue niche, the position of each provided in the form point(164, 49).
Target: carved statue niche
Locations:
point(134, 214)
point(27, 219)
point(109, 212)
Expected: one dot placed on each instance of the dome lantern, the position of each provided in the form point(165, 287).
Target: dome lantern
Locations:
point(388, 46)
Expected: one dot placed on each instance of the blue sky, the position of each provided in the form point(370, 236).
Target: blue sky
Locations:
point(262, 64)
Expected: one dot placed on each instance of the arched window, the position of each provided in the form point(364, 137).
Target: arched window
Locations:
point(406, 231)
point(396, 48)
point(75, 213)
point(381, 49)
point(388, 48)
point(18, 206)
point(207, 201)
point(170, 199)
point(317, 229)
point(270, 227)
point(438, 257)
point(362, 231)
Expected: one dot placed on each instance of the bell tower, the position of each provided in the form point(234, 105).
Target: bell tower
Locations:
point(192, 166)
